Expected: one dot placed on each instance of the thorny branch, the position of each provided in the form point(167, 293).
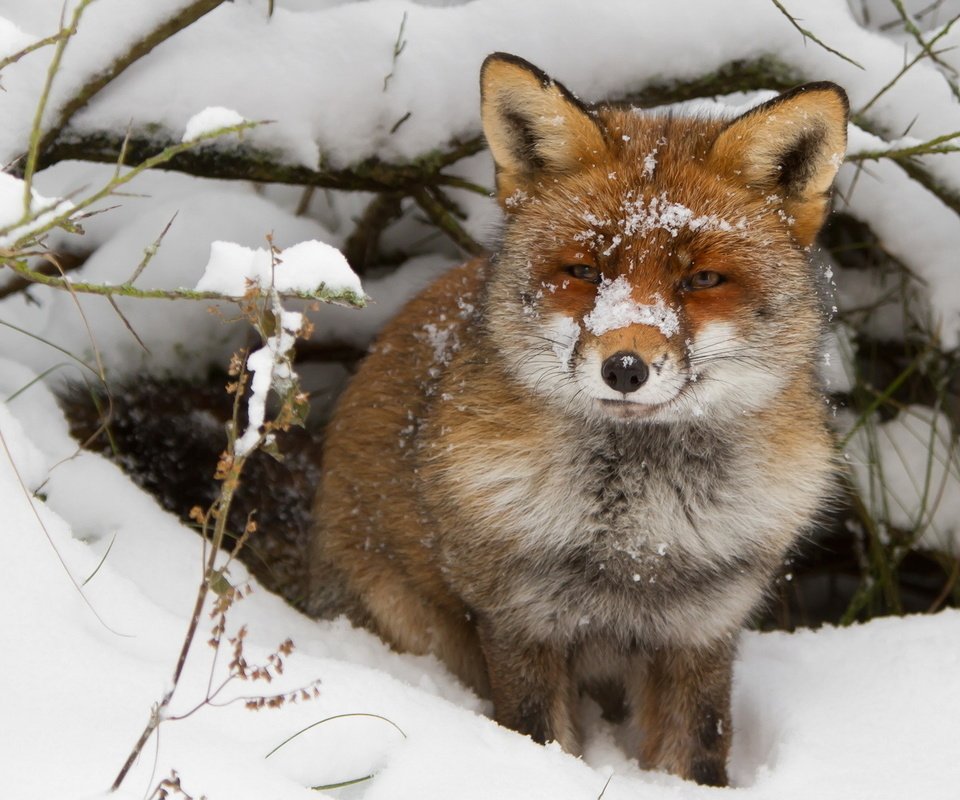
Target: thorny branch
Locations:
point(927, 47)
point(811, 36)
point(925, 52)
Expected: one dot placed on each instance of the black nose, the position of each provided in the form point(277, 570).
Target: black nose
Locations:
point(624, 371)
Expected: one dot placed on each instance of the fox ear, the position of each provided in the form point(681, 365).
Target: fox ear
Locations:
point(792, 147)
point(533, 124)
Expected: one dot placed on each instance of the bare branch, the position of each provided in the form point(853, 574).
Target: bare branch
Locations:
point(906, 159)
point(437, 208)
point(362, 247)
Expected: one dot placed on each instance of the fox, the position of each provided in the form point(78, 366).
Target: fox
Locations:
point(579, 463)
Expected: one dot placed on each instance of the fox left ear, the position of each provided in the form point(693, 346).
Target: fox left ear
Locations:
point(533, 124)
point(791, 146)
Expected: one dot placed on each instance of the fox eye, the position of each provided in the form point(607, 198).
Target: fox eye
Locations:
point(705, 279)
point(584, 272)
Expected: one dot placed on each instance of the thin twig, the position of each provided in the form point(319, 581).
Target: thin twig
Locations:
point(128, 325)
point(15, 57)
point(809, 35)
point(456, 182)
point(66, 263)
point(398, 47)
point(228, 488)
point(150, 251)
point(936, 146)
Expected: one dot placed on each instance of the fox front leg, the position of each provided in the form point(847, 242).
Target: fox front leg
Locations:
point(681, 702)
point(531, 686)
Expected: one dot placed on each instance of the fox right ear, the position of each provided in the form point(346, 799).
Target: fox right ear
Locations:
point(533, 124)
point(790, 147)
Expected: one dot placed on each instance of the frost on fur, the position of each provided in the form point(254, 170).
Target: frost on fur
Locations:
point(615, 308)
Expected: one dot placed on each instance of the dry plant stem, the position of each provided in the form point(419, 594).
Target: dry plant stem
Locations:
point(222, 509)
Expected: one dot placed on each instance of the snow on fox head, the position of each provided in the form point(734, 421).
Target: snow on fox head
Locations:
point(653, 267)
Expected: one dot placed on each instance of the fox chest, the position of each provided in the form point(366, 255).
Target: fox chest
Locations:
point(641, 536)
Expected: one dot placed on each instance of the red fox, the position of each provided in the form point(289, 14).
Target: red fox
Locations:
point(580, 463)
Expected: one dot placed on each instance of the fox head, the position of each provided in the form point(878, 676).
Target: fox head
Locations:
point(653, 266)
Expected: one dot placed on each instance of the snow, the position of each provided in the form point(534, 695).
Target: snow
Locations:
point(306, 267)
point(615, 308)
point(270, 368)
point(12, 39)
point(307, 63)
point(564, 333)
point(640, 215)
point(202, 212)
point(309, 267)
point(867, 711)
point(211, 119)
point(815, 713)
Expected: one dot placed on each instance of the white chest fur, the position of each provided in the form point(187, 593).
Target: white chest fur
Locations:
point(649, 533)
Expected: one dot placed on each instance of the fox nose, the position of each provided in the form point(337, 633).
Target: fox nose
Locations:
point(624, 371)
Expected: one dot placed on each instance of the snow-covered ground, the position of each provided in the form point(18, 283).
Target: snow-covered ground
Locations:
point(863, 712)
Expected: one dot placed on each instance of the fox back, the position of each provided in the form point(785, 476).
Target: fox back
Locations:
point(579, 464)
